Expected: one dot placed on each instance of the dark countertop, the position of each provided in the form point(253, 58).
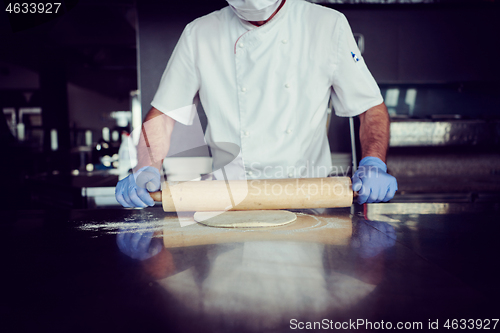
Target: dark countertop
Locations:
point(398, 262)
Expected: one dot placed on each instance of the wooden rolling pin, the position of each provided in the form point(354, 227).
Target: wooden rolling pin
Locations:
point(219, 195)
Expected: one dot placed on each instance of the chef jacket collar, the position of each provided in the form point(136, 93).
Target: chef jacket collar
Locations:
point(268, 25)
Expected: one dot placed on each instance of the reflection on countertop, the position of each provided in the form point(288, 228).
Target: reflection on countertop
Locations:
point(257, 279)
point(140, 270)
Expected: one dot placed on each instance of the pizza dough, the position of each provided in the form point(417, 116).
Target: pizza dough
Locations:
point(245, 219)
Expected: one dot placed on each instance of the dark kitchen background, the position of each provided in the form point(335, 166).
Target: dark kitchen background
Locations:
point(73, 88)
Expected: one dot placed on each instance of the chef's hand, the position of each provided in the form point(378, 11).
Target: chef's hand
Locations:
point(138, 244)
point(373, 182)
point(133, 190)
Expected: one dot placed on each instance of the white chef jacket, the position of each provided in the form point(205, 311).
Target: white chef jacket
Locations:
point(267, 88)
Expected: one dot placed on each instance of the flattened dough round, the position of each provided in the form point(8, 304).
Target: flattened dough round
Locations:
point(245, 219)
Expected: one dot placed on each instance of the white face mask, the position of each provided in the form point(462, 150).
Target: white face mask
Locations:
point(254, 10)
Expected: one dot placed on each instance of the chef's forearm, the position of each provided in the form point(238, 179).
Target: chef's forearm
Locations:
point(154, 141)
point(374, 132)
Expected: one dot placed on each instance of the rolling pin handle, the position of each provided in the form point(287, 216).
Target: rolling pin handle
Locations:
point(156, 196)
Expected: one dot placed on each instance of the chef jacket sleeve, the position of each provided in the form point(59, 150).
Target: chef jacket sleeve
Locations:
point(354, 88)
point(179, 83)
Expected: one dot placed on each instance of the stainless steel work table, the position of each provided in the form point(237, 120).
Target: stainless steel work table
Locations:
point(407, 263)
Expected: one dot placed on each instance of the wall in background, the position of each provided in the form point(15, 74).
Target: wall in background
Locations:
point(17, 77)
point(429, 44)
point(91, 110)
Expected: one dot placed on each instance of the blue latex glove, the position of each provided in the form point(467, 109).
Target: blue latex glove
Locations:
point(139, 244)
point(133, 191)
point(373, 182)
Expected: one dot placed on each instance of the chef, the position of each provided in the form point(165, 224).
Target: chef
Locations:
point(264, 71)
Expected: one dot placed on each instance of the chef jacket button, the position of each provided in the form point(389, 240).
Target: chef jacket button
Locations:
point(246, 133)
point(243, 89)
point(249, 173)
point(287, 85)
point(284, 41)
point(288, 131)
point(241, 45)
point(290, 175)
